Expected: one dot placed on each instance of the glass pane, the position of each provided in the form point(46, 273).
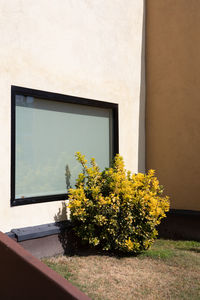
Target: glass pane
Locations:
point(48, 133)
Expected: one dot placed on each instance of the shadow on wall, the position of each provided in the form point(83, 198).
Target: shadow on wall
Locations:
point(141, 141)
point(61, 215)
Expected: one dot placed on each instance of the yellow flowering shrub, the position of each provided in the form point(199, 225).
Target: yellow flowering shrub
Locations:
point(115, 209)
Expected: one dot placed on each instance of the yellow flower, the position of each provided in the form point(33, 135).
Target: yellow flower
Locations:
point(151, 172)
point(129, 244)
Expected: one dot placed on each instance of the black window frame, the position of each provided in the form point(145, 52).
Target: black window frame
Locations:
point(16, 90)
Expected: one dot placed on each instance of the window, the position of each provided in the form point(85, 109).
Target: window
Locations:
point(47, 130)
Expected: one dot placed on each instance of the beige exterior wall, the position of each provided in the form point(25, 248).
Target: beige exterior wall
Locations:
point(173, 98)
point(84, 48)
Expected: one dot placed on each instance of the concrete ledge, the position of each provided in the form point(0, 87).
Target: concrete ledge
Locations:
point(44, 240)
point(23, 276)
point(33, 232)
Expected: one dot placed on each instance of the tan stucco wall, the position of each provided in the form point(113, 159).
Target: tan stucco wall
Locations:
point(84, 48)
point(173, 98)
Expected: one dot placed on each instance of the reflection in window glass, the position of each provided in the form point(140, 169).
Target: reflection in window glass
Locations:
point(48, 133)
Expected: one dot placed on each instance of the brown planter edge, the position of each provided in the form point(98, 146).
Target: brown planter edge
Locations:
point(9, 246)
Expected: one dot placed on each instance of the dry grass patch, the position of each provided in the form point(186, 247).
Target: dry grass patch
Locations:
point(170, 270)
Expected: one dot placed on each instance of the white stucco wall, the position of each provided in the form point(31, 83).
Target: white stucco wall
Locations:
point(86, 48)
